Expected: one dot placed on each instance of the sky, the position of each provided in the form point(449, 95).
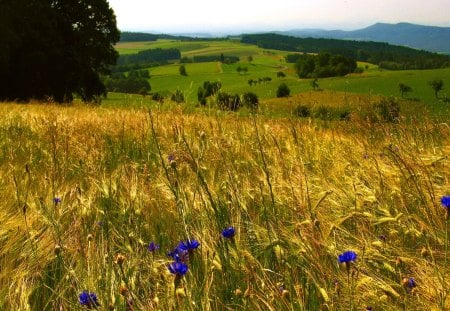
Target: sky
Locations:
point(208, 16)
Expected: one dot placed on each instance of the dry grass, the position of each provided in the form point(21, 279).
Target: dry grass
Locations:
point(298, 193)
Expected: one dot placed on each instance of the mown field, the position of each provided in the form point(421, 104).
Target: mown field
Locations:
point(85, 190)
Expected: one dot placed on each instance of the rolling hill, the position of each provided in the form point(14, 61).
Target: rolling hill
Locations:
point(430, 38)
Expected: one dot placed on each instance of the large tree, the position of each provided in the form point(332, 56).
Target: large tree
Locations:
point(55, 48)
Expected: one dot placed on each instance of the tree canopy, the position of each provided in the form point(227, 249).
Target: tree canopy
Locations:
point(54, 48)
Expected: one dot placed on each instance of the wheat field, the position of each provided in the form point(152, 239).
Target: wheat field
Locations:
point(85, 190)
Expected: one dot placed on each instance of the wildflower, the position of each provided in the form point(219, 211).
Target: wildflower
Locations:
point(153, 247)
point(369, 308)
point(409, 283)
point(228, 232)
point(445, 201)
point(189, 245)
point(179, 255)
point(88, 299)
point(347, 257)
point(56, 200)
point(178, 268)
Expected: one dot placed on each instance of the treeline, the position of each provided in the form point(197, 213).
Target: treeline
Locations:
point(149, 56)
point(382, 54)
point(135, 82)
point(229, 59)
point(126, 36)
point(323, 65)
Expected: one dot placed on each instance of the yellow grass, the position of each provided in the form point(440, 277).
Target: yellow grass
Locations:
point(298, 192)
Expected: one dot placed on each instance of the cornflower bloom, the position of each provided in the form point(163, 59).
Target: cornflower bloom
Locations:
point(228, 232)
point(88, 300)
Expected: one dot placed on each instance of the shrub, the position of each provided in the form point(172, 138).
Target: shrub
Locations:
point(177, 97)
point(302, 111)
point(158, 97)
point(227, 101)
point(283, 90)
point(388, 109)
point(250, 100)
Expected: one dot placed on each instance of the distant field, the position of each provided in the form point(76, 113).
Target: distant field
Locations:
point(266, 63)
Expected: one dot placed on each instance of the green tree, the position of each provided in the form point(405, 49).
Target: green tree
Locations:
point(177, 97)
point(182, 70)
point(283, 90)
point(437, 85)
point(250, 59)
point(404, 89)
point(55, 48)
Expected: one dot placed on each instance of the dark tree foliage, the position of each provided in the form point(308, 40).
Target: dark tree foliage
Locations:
point(437, 86)
point(283, 90)
point(383, 54)
point(54, 48)
point(250, 100)
point(208, 89)
point(126, 36)
point(149, 56)
point(230, 59)
point(324, 65)
point(227, 101)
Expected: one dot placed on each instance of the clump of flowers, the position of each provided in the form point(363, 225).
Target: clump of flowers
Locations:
point(228, 233)
point(88, 299)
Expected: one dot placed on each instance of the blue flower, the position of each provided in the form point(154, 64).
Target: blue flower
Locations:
point(88, 299)
point(228, 232)
point(445, 201)
point(152, 247)
point(56, 200)
point(179, 255)
point(347, 257)
point(178, 268)
point(412, 283)
point(189, 245)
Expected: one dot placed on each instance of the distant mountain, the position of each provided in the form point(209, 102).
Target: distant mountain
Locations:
point(429, 38)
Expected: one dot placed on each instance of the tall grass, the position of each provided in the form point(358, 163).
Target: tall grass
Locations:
point(298, 192)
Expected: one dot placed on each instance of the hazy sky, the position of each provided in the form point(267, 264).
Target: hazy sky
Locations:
point(236, 15)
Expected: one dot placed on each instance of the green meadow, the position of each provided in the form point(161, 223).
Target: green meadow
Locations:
point(266, 63)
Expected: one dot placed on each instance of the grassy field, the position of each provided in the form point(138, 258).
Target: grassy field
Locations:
point(86, 189)
point(166, 79)
point(94, 198)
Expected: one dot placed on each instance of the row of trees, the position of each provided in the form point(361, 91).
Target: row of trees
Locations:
point(150, 56)
point(366, 51)
point(136, 82)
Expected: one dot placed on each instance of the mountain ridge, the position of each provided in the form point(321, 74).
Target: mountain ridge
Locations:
point(429, 38)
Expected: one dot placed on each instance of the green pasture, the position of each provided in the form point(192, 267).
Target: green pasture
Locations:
point(266, 63)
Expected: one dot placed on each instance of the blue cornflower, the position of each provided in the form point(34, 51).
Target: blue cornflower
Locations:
point(228, 232)
point(412, 283)
point(153, 247)
point(56, 200)
point(369, 308)
point(178, 268)
point(189, 245)
point(179, 255)
point(347, 257)
point(88, 299)
point(445, 201)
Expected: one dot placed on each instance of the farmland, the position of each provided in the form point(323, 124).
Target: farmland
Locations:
point(340, 209)
point(266, 63)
